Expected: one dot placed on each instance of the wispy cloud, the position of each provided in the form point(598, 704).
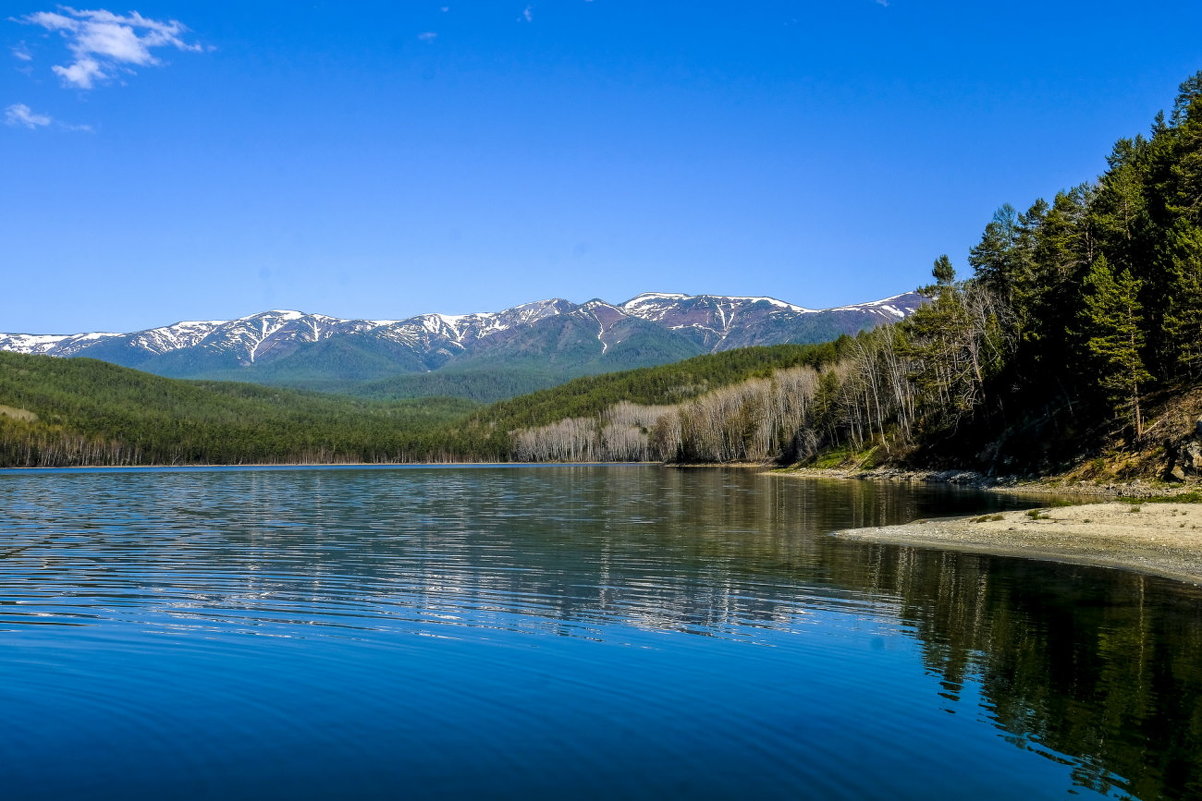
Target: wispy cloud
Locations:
point(21, 52)
point(104, 44)
point(527, 14)
point(19, 115)
point(428, 36)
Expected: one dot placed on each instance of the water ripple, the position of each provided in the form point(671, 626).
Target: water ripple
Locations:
point(590, 632)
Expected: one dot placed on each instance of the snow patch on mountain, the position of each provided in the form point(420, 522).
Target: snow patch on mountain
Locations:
point(713, 322)
point(897, 306)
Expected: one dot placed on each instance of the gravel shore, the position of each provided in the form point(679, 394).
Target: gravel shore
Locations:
point(1163, 539)
point(1012, 485)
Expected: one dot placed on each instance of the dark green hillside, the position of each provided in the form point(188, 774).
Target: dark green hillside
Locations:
point(669, 383)
point(482, 385)
point(554, 352)
point(82, 411)
point(331, 364)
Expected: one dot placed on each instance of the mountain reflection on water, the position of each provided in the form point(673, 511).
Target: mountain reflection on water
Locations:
point(531, 630)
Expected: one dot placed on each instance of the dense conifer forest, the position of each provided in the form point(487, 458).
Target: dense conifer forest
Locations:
point(1079, 315)
point(56, 412)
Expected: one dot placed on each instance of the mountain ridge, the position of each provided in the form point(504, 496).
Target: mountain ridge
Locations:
point(290, 347)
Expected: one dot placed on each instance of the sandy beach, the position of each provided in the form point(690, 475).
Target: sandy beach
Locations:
point(1163, 539)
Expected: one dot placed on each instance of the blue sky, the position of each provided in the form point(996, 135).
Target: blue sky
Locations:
point(189, 160)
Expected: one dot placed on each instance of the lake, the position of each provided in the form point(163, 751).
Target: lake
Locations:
point(565, 632)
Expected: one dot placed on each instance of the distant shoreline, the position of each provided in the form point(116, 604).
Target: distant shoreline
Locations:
point(1160, 539)
point(311, 465)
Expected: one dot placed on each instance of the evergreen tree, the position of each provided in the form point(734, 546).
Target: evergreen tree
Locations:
point(1186, 170)
point(937, 335)
point(1119, 210)
point(1183, 317)
point(1113, 320)
point(943, 271)
point(992, 259)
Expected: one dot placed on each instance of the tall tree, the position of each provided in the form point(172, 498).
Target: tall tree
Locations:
point(1113, 320)
point(1187, 167)
point(1119, 209)
point(1183, 316)
point(992, 259)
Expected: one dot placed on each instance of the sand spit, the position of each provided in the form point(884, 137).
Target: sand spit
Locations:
point(1162, 539)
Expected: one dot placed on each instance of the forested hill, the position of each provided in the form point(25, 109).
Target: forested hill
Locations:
point(56, 412)
point(1082, 314)
point(81, 411)
point(495, 431)
point(668, 384)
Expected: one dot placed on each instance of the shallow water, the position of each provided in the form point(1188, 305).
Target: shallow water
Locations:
point(583, 632)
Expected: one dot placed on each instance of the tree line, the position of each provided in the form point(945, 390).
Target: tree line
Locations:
point(63, 412)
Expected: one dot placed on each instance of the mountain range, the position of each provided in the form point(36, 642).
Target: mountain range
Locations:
point(483, 356)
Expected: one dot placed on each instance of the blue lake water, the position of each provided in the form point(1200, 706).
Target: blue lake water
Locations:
point(565, 632)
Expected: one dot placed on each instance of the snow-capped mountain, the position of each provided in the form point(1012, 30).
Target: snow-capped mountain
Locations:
point(652, 328)
point(718, 322)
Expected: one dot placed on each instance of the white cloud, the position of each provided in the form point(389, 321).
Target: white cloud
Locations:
point(527, 14)
point(21, 52)
point(428, 36)
point(103, 43)
point(19, 114)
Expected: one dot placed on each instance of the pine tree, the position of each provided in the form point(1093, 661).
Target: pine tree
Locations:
point(1187, 167)
point(1183, 317)
point(992, 259)
point(1119, 209)
point(938, 341)
point(1114, 322)
point(943, 271)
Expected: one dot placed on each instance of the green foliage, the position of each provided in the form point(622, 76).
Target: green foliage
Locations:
point(943, 271)
point(993, 257)
point(91, 412)
point(1183, 315)
point(1099, 300)
point(1181, 497)
point(481, 385)
point(1114, 322)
